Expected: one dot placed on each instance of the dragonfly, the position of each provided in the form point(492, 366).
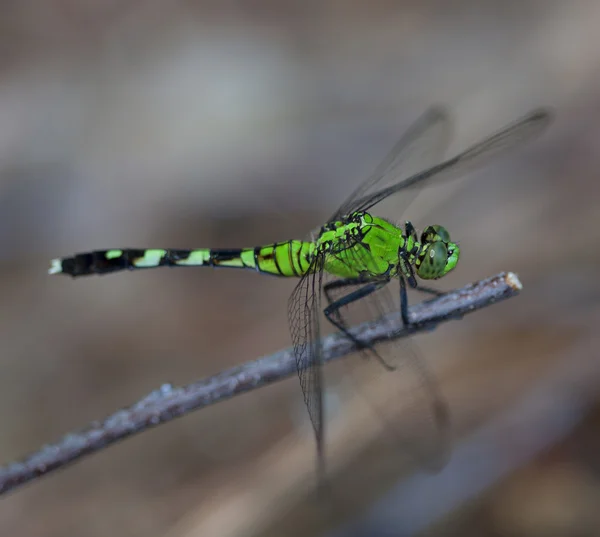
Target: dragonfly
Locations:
point(350, 258)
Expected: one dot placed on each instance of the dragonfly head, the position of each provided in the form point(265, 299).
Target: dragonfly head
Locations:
point(438, 255)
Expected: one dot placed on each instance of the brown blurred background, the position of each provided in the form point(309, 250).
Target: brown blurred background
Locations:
point(189, 124)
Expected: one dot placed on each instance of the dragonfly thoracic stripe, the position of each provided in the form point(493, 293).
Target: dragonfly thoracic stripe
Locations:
point(299, 256)
point(275, 246)
point(291, 258)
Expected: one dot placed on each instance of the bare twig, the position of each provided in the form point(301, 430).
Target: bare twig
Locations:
point(169, 402)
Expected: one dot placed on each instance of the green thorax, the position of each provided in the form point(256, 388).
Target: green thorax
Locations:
point(363, 244)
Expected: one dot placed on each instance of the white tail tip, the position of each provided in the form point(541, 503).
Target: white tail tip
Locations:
point(55, 267)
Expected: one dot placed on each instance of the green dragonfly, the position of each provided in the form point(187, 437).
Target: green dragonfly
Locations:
point(359, 252)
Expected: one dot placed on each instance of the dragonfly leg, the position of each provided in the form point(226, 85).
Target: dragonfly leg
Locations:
point(404, 299)
point(335, 305)
point(429, 290)
point(332, 311)
point(409, 229)
point(403, 302)
point(406, 274)
point(340, 284)
point(434, 292)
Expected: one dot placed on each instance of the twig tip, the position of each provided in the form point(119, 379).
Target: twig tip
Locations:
point(513, 281)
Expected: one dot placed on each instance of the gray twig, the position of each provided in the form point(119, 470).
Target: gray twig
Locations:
point(169, 402)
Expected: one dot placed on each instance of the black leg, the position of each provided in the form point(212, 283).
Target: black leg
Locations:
point(429, 290)
point(403, 302)
point(409, 229)
point(332, 311)
point(406, 273)
point(407, 270)
point(412, 282)
point(338, 284)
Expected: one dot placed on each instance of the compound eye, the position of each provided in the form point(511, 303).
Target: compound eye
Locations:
point(433, 261)
point(442, 233)
point(435, 233)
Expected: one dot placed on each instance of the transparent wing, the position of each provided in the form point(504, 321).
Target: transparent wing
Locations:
point(511, 136)
point(422, 146)
point(304, 309)
point(408, 400)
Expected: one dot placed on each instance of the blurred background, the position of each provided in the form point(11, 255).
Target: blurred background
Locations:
point(230, 124)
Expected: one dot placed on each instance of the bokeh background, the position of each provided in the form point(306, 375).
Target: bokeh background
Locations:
point(192, 123)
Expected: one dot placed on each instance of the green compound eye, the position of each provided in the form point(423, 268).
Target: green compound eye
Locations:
point(442, 233)
point(453, 255)
point(435, 233)
point(433, 261)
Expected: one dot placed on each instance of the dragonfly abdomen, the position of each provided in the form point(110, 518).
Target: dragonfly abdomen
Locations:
point(290, 258)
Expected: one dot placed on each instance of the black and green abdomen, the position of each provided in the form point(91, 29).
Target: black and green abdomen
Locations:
point(290, 258)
